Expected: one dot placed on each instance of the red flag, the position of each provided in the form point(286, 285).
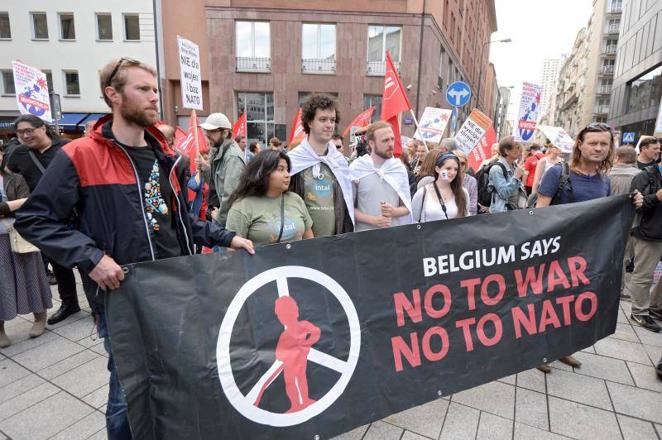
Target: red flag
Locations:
point(394, 101)
point(240, 127)
point(297, 134)
point(483, 150)
point(193, 143)
point(362, 120)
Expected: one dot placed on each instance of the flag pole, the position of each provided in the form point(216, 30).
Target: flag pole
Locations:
point(414, 116)
point(195, 134)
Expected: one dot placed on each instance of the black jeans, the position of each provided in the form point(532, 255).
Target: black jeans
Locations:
point(66, 284)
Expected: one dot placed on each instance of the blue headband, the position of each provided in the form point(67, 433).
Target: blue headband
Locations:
point(441, 159)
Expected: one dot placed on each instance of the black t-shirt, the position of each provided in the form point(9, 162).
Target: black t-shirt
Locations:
point(157, 198)
point(21, 163)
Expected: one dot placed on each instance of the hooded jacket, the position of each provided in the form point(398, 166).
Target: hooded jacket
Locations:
point(227, 164)
point(96, 178)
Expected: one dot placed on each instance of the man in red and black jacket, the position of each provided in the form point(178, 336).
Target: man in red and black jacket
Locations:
point(125, 185)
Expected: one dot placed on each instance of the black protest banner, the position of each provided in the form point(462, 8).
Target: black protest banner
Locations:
point(321, 336)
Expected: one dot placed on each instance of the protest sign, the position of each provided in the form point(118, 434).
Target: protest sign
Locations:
point(433, 124)
point(558, 137)
point(31, 91)
point(482, 151)
point(189, 65)
point(300, 341)
point(472, 131)
point(528, 112)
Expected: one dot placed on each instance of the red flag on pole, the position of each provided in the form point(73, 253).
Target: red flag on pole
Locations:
point(362, 120)
point(297, 134)
point(394, 101)
point(193, 143)
point(483, 150)
point(240, 127)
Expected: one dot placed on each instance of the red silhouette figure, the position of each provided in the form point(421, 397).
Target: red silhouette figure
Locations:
point(292, 350)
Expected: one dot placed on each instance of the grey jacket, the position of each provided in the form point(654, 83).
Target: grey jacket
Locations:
point(227, 164)
point(621, 176)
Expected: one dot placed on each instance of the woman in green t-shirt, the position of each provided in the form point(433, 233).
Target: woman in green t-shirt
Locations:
point(262, 209)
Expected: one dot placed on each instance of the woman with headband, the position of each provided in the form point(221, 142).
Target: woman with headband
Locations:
point(445, 198)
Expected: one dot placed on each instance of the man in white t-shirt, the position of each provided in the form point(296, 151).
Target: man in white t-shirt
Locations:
point(381, 185)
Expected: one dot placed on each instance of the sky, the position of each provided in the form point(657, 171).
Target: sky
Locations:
point(540, 29)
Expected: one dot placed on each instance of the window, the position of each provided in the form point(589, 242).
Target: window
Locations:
point(67, 27)
point(71, 85)
point(5, 28)
point(375, 101)
point(104, 27)
point(259, 108)
point(8, 83)
point(49, 79)
point(39, 26)
point(253, 46)
point(381, 39)
point(131, 27)
point(645, 91)
point(318, 48)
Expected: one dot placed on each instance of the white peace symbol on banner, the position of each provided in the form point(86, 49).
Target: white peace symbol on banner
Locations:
point(245, 403)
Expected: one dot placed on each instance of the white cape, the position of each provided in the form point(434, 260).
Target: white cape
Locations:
point(303, 157)
point(394, 173)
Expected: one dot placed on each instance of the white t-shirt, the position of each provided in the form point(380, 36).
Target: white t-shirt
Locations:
point(428, 208)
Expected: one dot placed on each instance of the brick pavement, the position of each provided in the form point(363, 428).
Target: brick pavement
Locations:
point(55, 387)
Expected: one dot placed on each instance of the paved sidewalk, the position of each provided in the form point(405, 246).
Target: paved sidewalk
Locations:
point(55, 387)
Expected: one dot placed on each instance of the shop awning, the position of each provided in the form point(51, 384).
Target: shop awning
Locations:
point(71, 119)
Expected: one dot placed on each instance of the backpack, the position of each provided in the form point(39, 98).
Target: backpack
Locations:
point(564, 182)
point(483, 178)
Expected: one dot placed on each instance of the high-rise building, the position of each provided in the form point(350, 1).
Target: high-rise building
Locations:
point(548, 79)
point(637, 90)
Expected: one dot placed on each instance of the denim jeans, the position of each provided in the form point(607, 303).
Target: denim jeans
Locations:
point(117, 422)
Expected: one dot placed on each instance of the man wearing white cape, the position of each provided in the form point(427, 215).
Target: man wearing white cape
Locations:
point(320, 173)
point(381, 183)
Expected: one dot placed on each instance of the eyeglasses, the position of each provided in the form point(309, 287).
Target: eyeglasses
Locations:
point(26, 131)
point(117, 68)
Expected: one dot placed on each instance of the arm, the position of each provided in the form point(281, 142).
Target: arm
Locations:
point(378, 221)
point(232, 170)
point(473, 198)
point(650, 201)
point(43, 219)
point(504, 188)
point(308, 233)
point(417, 204)
point(538, 174)
point(548, 187)
point(390, 211)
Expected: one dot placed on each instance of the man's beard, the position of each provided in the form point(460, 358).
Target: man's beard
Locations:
point(388, 154)
point(135, 115)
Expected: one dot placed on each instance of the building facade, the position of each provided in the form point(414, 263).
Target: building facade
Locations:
point(570, 90)
point(548, 81)
point(637, 87)
point(265, 58)
point(71, 41)
point(500, 125)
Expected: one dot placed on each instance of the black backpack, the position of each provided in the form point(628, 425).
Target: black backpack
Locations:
point(483, 178)
point(564, 182)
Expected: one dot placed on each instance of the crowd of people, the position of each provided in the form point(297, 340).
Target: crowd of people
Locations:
point(122, 194)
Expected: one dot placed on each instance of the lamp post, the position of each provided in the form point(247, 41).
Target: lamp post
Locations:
point(480, 74)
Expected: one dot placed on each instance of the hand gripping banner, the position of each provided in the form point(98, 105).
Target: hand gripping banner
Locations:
point(311, 339)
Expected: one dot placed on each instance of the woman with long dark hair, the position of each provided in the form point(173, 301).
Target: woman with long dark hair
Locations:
point(445, 198)
point(262, 209)
point(23, 283)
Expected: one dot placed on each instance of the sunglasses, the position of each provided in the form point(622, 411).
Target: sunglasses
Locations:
point(117, 68)
point(598, 126)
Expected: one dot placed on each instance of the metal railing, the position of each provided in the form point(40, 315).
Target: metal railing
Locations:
point(601, 109)
point(607, 70)
point(615, 9)
point(378, 68)
point(612, 29)
point(609, 50)
point(253, 64)
point(310, 65)
point(604, 90)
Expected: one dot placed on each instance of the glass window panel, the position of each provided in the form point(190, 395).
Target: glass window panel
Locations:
point(645, 91)
point(244, 35)
point(8, 83)
point(327, 41)
point(375, 43)
point(131, 27)
point(262, 41)
point(393, 42)
point(309, 33)
point(71, 83)
point(39, 25)
point(376, 101)
point(5, 28)
point(67, 27)
point(270, 106)
point(49, 79)
point(104, 27)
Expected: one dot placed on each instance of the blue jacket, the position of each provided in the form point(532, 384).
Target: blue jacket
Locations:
point(504, 187)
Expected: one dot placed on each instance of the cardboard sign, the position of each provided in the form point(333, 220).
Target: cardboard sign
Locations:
point(528, 112)
point(191, 82)
point(433, 124)
point(472, 131)
point(31, 91)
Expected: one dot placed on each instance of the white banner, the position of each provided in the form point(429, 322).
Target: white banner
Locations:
point(527, 116)
point(433, 124)
point(31, 91)
point(472, 131)
point(558, 137)
point(191, 83)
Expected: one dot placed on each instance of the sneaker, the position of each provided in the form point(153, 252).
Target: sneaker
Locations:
point(657, 314)
point(646, 322)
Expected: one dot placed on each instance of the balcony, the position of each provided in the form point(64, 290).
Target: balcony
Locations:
point(609, 50)
point(378, 68)
point(253, 64)
point(601, 109)
point(614, 9)
point(317, 66)
point(611, 30)
point(607, 70)
point(604, 90)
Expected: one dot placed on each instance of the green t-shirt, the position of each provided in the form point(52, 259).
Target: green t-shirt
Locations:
point(318, 196)
point(258, 219)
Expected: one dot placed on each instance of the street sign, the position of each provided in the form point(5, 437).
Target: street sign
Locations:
point(628, 137)
point(458, 93)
